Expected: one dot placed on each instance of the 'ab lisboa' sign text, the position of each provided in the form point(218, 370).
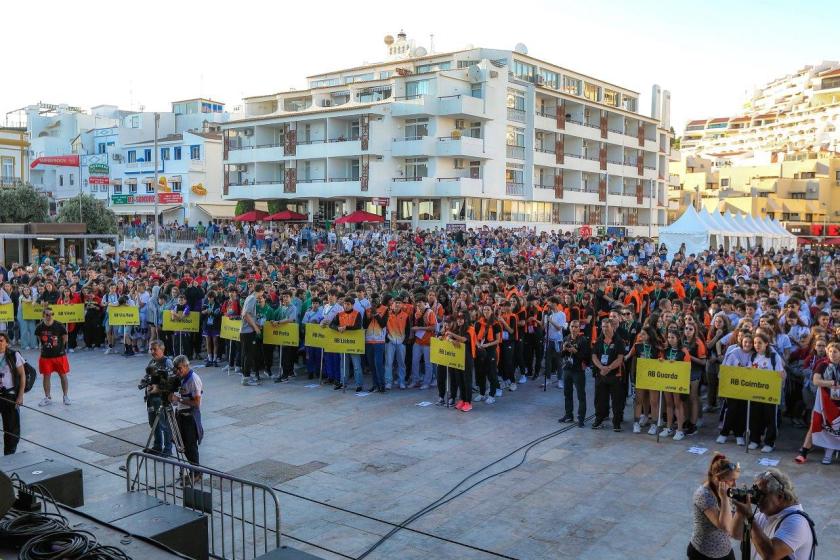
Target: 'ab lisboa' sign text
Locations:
point(331, 340)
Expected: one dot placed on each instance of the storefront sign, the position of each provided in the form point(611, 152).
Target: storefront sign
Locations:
point(98, 169)
point(663, 375)
point(169, 198)
point(188, 323)
point(163, 198)
point(231, 328)
point(445, 353)
point(750, 384)
point(381, 201)
point(65, 161)
point(98, 180)
point(281, 334)
point(123, 316)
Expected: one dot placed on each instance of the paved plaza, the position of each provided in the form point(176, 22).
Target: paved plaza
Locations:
point(583, 494)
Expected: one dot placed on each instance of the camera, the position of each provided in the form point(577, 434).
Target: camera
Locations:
point(741, 494)
point(160, 376)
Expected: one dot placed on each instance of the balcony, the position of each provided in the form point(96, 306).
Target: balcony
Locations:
point(413, 146)
point(545, 157)
point(257, 152)
point(458, 186)
point(10, 181)
point(516, 115)
point(414, 106)
point(465, 106)
point(414, 186)
point(515, 152)
point(515, 189)
point(462, 147)
point(334, 147)
point(546, 120)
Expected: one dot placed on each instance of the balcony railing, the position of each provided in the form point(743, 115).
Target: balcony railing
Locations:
point(616, 130)
point(541, 186)
point(572, 120)
point(545, 150)
point(549, 114)
point(517, 152)
point(409, 138)
point(517, 115)
point(312, 180)
point(408, 97)
point(408, 179)
point(571, 155)
point(515, 189)
point(342, 179)
point(10, 181)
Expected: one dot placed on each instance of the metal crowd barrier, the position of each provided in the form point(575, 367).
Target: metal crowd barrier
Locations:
point(244, 516)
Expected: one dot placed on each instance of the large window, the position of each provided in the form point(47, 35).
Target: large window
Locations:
point(516, 99)
point(571, 85)
point(524, 71)
point(132, 188)
point(416, 128)
point(629, 103)
point(549, 79)
point(404, 209)
point(416, 168)
point(323, 83)
point(164, 154)
point(147, 154)
point(515, 136)
point(457, 209)
point(150, 187)
point(175, 186)
point(132, 156)
point(358, 78)
point(176, 153)
point(429, 210)
point(417, 88)
point(490, 209)
point(514, 174)
point(195, 152)
point(423, 68)
point(611, 97)
point(378, 93)
point(591, 91)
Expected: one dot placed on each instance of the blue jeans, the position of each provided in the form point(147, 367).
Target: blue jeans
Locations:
point(27, 333)
point(418, 351)
point(356, 360)
point(394, 351)
point(163, 432)
point(375, 354)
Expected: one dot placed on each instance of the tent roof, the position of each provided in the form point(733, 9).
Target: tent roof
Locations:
point(689, 222)
point(738, 224)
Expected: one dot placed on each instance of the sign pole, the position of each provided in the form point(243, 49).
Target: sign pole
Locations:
point(343, 373)
point(659, 416)
point(321, 370)
point(747, 430)
point(446, 393)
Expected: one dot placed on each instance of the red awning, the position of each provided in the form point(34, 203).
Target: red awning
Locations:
point(252, 216)
point(286, 216)
point(359, 217)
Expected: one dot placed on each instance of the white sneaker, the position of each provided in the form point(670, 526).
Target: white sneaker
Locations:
point(387, 386)
point(767, 449)
point(424, 387)
point(402, 385)
point(70, 350)
point(499, 393)
point(512, 387)
point(679, 435)
point(507, 383)
point(637, 429)
point(643, 421)
point(522, 379)
point(66, 399)
point(489, 400)
point(721, 439)
point(245, 380)
point(653, 429)
point(559, 384)
point(752, 445)
point(739, 441)
point(46, 401)
point(666, 432)
point(107, 350)
point(478, 398)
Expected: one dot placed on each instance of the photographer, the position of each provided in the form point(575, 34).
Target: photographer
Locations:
point(159, 368)
point(11, 365)
point(780, 529)
point(574, 355)
point(187, 402)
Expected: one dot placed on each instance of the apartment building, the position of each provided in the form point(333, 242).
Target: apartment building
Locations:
point(458, 139)
point(14, 156)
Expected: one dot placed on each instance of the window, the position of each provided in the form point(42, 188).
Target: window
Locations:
point(404, 209)
point(72, 180)
point(132, 188)
point(591, 91)
point(514, 174)
point(359, 78)
point(150, 188)
point(100, 148)
point(724, 182)
point(475, 90)
point(798, 196)
point(135, 121)
point(61, 180)
point(175, 186)
point(423, 68)
point(549, 79)
point(117, 189)
point(195, 152)
point(354, 170)
point(611, 97)
point(571, 85)
point(490, 209)
point(147, 154)
point(515, 136)
point(516, 99)
point(324, 82)
point(837, 176)
point(524, 71)
point(416, 168)
point(378, 93)
point(385, 74)
point(416, 88)
point(354, 130)
point(416, 128)
point(467, 63)
point(176, 153)
point(8, 169)
point(457, 209)
point(429, 209)
point(629, 103)
point(473, 209)
point(132, 156)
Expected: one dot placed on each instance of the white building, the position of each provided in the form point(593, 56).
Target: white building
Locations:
point(472, 137)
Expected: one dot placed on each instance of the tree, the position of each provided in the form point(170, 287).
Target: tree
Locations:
point(23, 204)
point(98, 217)
point(275, 206)
point(244, 206)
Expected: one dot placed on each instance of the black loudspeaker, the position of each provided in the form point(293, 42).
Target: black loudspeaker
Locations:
point(120, 506)
point(180, 529)
point(20, 459)
point(286, 553)
point(62, 481)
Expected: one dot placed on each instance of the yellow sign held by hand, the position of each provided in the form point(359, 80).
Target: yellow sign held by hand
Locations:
point(282, 334)
point(663, 375)
point(123, 316)
point(445, 353)
point(230, 329)
point(750, 384)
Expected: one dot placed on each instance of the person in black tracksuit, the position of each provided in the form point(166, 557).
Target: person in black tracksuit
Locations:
point(575, 355)
point(607, 359)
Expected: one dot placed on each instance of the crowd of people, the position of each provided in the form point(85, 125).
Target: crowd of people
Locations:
point(528, 307)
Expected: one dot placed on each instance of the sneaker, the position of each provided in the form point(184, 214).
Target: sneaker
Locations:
point(721, 439)
point(467, 407)
point(108, 350)
point(643, 421)
point(829, 455)
point(440, 401)
point(338, 387)
point(499, 393)
point(597, 424)
point(237, 369)
point(402, 385)
point(489, 400)
point(70, 350)
point(617, 428)
point(666, 432)
point(752, 445)
point(690, 430)
point(387, 386)
point(679, 435)
point(559, 384)
point(522, 379)
point(512, 387)
point(359, 389)
point(424, 387)
point(653, 429)
point(767, 449)
point(478, 398)
point(245, 380)
point(46, 401)
point(637, 428)
point(507, 383)
point(459, 404)
point(739, 441)
point(66, 400)
point(580, 423)
point(254, 381)
point(567, 419)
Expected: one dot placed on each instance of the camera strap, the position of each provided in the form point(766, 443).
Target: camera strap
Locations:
point(810, 522)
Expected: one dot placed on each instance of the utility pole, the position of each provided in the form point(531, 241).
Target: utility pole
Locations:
point(157, 228)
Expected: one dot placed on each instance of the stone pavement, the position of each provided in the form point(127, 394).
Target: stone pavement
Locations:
point(583, 494)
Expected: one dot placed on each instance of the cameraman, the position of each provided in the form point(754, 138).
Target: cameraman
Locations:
point(573, 357)
point(188, 409)
point(159, 365)
point(780, 529)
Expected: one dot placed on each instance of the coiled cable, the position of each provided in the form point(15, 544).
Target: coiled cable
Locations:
point(58, 545)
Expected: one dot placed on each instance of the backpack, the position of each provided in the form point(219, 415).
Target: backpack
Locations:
point(28, 370)
point(814, 542)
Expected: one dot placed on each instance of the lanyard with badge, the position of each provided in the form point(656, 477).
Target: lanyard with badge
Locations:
point(605, 357)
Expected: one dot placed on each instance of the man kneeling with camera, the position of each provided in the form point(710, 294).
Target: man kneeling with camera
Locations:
point(187, 401)
point(780, 529)
point(158, 385)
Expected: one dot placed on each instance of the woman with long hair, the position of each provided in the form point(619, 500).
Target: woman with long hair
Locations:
point(719, 328)
point(697, 352)
point(647, 402)
point(763, 416)
point(713, 517)
point(459, 332)
point(211, 312)
point(739, 353)
point(26, 327)
point(674, 406)
point(488, 337)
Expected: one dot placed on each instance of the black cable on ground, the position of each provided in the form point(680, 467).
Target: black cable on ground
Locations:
point(58, 545)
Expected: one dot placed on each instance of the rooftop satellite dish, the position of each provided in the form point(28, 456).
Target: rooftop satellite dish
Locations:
point(521, 48)
point(389, 40)
point(420, 51)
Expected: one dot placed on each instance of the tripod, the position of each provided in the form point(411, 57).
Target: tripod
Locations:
point(168, 412)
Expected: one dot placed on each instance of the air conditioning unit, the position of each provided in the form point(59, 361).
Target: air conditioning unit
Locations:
point(326, 103)
point(116, 157)
point(248, 132)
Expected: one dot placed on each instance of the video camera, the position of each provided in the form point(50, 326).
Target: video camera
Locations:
point(740, 494)
point(162, 377)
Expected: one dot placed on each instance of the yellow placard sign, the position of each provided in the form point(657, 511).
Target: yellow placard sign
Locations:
point(184, 324)
point(282, 334)
point(663, 375)
point(230, 328)
point(33, 311)
point(69, 313)
point(7, 312)
point(331, 340)
point(123, 316)
point(445, 353)
point(750, 384)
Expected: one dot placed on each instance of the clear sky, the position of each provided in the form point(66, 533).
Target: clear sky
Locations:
point(90, 52)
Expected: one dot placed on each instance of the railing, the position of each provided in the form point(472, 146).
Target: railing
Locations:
point(408, 97)
point(409, 138)
point(243, 516)
point(315, 180)
point(571, 155)
point(545, 150)
point(407, 179)
point(341, 179)
point(10, 181)
point(616, 130)
point(615, 161)
point(271, 145)
point(517, 115)
point(575, 121)
point(591, 158)
point(517, 152)
point(547, 114)
point(590, 125)
point(447, 179)
point(515, 189)
point(540, 186)
point(651, 167)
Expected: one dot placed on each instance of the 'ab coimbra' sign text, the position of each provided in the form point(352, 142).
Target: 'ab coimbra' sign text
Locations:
point(663, 375)
point(750, 384)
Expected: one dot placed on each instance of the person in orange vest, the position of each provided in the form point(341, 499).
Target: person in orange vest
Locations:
point(349, 320)
point(424, 328)
point(510, 335)
point(488, 337)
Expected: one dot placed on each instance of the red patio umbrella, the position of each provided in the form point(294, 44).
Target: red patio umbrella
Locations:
point(287, 216)
point(252, 216)
point(359, 217)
